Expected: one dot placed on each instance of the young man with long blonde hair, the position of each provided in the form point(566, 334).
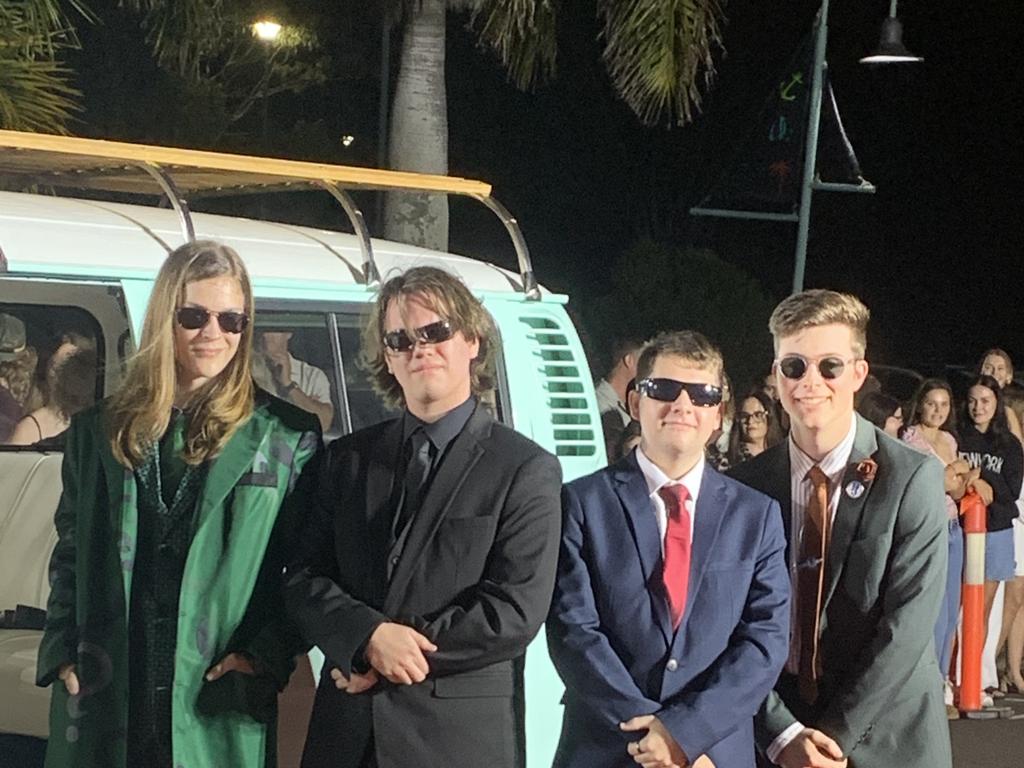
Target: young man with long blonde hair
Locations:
point(165, 638)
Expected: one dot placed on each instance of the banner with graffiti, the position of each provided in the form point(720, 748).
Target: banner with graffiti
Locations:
point(767, 170)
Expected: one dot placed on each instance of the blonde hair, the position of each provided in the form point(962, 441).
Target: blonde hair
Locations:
point(449, 298)
point(140, 411)
point(818, 307)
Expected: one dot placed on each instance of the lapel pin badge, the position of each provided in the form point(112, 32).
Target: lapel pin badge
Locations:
point(855, 489)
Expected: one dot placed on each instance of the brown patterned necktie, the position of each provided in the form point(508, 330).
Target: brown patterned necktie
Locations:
point(811, 582)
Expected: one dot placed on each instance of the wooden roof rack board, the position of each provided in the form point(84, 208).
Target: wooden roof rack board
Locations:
point(33, 159)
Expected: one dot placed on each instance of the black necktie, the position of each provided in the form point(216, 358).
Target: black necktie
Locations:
point(421, 455)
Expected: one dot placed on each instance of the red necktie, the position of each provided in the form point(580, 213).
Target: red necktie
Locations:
point(676, 572)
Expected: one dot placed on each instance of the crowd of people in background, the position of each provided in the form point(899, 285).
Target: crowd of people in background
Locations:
point(977, 439)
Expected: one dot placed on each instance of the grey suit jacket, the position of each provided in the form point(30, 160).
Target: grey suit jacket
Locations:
point(880, 696)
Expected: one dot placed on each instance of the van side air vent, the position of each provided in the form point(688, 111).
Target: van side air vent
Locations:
point(563, 377)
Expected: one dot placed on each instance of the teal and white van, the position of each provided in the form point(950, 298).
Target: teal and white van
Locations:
point(84, 265)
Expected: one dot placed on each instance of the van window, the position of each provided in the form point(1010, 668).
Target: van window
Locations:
point(49, 370)
point(293, 359)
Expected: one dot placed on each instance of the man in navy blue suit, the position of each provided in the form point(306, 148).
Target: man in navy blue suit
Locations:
point(670, 618)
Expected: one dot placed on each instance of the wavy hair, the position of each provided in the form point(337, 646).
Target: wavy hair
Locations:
point(449, 298)
point(140, 411)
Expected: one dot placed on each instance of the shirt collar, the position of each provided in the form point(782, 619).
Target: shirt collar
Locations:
point(445, 429)
point(832, 464)
point(656, 478)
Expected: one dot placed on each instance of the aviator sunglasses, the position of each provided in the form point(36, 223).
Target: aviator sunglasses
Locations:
point(194, 318)
point(432, 333)
point(795, 367)
point(668, 391)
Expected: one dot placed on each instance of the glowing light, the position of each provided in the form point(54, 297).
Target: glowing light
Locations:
point(347, 139)
point(266, 30)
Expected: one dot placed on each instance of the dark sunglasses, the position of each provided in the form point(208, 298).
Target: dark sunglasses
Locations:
point(795, 367)
point(668, 391)
point(194, 318)
point(433, 333)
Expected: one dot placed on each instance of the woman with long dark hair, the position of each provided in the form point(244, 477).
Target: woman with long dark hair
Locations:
point(987, 444)
point(165, 637)
point(755, 429)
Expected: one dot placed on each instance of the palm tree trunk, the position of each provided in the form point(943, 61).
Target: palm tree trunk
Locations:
point(419, 128)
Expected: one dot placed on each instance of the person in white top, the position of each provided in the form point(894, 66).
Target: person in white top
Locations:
point(304, 385)
point(611, 392)
point(862, 686)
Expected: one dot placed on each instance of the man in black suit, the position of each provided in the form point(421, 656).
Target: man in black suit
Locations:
point(428, 561)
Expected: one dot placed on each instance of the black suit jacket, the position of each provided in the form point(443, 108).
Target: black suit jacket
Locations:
point(475, 576)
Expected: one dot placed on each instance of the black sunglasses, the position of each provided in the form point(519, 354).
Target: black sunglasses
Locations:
point(668, 391)
point(795, 367)
point(433, 333)
point(194, 318)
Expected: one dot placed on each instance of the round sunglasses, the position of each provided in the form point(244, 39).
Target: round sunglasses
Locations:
point(194, 318)
point(668, 391)
point(432, 333)
point(795, 367)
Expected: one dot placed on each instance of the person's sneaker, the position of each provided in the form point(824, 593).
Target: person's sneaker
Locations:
point(947, 692)
point(986, 700)
point(952, 713)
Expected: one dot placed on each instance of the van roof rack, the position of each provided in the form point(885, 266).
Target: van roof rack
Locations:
point(34, 159)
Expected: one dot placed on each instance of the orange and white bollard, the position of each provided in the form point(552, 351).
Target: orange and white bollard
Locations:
point(973, 597)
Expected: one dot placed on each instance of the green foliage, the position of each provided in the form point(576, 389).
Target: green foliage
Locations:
point(522, 34)
point(210, 47)
point(35, 89)
point(656, 51)
point(657, 287)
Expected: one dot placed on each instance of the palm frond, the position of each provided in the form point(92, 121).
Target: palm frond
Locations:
point(522, 34)
point(35, 89)
point(658, 51)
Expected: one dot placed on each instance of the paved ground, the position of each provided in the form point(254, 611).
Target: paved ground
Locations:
point(976, 743)
point(990, 743)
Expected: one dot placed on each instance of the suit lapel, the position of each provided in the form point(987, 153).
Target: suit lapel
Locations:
point(247, 449)
point(850, 510)
point(707, 521)
point(463, 454)
point(631, 488)
point(380, 478)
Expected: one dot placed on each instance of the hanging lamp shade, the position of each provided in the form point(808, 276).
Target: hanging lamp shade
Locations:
point(890, 48)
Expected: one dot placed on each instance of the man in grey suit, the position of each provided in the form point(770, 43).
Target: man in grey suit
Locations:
point(866, 536)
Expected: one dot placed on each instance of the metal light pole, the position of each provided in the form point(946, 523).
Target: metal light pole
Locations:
point(810, 149)
point(890, 51)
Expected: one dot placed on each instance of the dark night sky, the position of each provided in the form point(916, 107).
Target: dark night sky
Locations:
point(934, 254)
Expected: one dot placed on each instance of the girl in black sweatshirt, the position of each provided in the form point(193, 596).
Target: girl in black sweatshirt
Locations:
point(987, 444)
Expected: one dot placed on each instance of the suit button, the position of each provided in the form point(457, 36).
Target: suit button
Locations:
point(672, 665)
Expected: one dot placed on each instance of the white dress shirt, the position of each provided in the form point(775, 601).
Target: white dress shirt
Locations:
point(834, 466)
point(656, 479)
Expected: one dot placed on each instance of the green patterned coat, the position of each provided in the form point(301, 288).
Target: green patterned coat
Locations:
point(230, 596)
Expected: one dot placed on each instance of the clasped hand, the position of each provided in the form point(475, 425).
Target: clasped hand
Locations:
point(396, 653)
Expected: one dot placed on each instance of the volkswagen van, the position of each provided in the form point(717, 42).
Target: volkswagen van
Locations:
point(75, 258)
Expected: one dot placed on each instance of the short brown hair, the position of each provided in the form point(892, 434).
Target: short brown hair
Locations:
point(449, 297)
point(689, 345)
point(817, 307)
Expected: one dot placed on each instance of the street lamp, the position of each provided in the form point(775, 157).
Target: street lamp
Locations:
point(891, 54)
point(266, 30)
point(890, 48)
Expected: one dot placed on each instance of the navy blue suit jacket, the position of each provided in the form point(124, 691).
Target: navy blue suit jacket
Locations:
point(610, 634)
